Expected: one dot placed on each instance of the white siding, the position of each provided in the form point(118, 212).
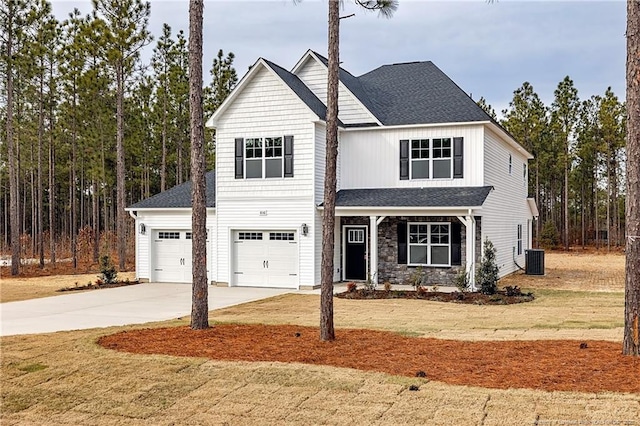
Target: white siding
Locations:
point(166, 220)
point(506, 206)
point(319, 161)
point(371, 158)
point(351, 111)
point(275, 213)
point(266, 107)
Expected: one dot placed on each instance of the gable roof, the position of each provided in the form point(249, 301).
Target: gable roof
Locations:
point(467, 196)
point(300, 89)
point(179, 196)
point(292, 81)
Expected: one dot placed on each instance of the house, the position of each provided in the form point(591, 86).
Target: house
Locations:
point(424, 176)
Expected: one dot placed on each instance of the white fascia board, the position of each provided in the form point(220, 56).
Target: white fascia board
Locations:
point(509, 140)
point(355, 98)
point(405, 211)
point(417, 126)
point(165, 209)
point(302, 60)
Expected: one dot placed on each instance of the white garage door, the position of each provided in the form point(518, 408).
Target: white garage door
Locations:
point(265, 258)
point(172, 256)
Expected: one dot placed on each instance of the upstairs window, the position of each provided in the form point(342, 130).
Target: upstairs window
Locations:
point(437, 158)
point(269, 157)
point(420, 151)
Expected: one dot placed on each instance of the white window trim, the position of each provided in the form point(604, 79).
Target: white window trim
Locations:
point(430, 160)
point(263, 158)
point(428, 244)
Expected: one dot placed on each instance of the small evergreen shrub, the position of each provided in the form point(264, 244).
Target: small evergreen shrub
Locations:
point(487, 274)
point(461, 281)
point(549, 236)
point(108, 271)
point(351, 287)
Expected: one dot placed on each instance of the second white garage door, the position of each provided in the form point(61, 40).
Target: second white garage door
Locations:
point(265, 258)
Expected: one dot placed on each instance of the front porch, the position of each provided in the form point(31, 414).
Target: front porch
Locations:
point(382, 248)
point(438, 229)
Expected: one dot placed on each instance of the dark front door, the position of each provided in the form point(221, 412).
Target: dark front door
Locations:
point(355, 264)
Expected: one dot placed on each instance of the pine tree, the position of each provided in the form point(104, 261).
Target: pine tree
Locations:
point(386, 8)
point(487, 274)
point(125, 33)
point(199, 309)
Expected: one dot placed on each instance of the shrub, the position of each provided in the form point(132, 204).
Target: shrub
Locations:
point(462, 281)
point(108, 271)
point(549, 236)
point(387, 286)
point(416, 277)
point(351, 287)
point(512, 291)
point(487, 275)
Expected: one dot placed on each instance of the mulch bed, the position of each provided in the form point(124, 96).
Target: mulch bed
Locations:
point(92, 286)
point(551, 365)
point(500, 298)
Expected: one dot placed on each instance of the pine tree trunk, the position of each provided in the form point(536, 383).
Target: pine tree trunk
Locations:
point(200, 306)
point(52, 192)
point(566, 197)
point(327, 331)
point(631, 342)
point(13, 175)
point(40, 197)
point(120, 173)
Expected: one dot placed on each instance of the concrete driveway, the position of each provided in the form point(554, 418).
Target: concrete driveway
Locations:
point(134, 304)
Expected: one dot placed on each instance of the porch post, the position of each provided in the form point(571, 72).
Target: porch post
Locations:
point(373, 249)
point(469, 223)
point(471, 251)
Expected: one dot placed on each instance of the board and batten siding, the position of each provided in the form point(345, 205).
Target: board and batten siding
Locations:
point(169, 220)
point(506, 206)
point(273, 213)
point(314, 75)
point(370, 158)
point(266, 107)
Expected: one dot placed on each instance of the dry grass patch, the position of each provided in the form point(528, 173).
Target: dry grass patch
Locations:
point(578, 271)
point(557, 315)
point(86, 384)
point(15, 289)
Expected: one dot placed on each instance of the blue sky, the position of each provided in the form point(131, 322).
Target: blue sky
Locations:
point(489, 49)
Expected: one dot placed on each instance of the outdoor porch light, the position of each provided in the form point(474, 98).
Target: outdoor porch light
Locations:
point(305, 229)
point(143, 229)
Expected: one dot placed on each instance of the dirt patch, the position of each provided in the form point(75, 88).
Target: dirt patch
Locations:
point(500, 298)
point(591, 366)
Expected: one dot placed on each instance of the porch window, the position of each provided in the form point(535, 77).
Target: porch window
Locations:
point(430, 244)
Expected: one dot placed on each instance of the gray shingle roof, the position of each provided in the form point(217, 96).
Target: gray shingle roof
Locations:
point(179, 196)
point(418, 92)
point(467, 196)
point(411, 93)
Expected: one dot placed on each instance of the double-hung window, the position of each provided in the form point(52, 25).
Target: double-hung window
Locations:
point(264, 157)
point(431, 159)
point(430, 244)
point(442, 158)
point(519, 239)
point(420, 158)
point(254, 157)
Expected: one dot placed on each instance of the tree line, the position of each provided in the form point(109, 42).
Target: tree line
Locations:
point(90, 127)
point(577, 174)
